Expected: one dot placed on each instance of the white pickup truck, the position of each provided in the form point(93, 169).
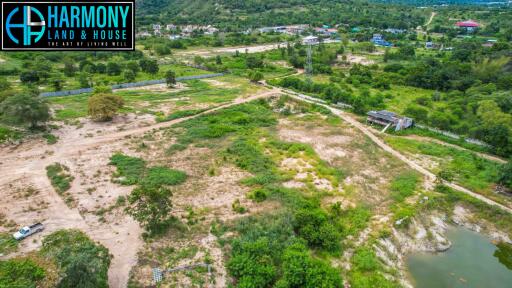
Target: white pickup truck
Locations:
point(27, 231)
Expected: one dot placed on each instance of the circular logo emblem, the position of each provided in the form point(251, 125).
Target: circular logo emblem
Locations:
point(29, 29)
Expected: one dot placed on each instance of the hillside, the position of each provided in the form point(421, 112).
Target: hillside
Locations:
point(233, 15)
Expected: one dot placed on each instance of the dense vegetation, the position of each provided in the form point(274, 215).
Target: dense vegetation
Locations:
point(67, 259)
point(237, 15)
point(82, 262)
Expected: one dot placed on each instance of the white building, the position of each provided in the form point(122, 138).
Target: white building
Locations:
point(310, 40)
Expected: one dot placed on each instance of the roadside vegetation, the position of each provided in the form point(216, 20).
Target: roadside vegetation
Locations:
point(68, 258)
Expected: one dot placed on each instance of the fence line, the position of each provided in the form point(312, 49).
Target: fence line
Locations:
point(128, 85)
point(453, 135)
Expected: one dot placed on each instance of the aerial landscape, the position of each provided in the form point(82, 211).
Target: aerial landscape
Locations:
point(264, 143)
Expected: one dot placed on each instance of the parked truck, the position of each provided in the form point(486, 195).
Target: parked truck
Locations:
point(28, 230)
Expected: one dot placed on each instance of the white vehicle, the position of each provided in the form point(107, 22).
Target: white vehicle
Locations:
point(27, 231)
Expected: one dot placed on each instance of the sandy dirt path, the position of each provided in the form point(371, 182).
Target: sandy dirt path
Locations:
point(431, 18)
point(431, 177)
point(26, 166)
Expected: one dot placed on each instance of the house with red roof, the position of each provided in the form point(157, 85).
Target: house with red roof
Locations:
point(469, 25)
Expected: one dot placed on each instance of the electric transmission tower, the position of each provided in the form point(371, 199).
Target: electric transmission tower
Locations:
point(309, 62)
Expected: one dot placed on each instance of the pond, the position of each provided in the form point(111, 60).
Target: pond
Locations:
point(473, 261)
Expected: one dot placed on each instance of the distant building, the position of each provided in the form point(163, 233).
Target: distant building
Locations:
point(389, 119)
point(378, 40)
point(170, 27)
point(143, 34)
point(310, 40)
point(395, 31)
point(296, 29)
point(174, 37)
point(210, 30)
point(468, 25)
point(326, 32)
point(431, 45)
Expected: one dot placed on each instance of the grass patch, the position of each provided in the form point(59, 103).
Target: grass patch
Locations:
point(7, 243)
point(59, 177)
point(50, 138)
point(404, 186)
point(9, 134)
point(157, 176)
point(133, 170)
point(367, 270)
point(463, 167)
point(129, 169)
point(20, 273)
point(179, 114)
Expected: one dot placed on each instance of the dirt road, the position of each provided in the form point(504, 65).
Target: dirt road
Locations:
point(87, 157)
point(431, 18)
point(429, 175)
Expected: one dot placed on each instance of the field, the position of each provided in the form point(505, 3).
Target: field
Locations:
point(241, 180)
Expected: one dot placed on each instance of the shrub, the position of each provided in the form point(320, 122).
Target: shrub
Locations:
point(103, 107)
point(83, 263)
point(301, 270)
point(20, 273)
point(314, 226)
point(237, 207)
point(259, 194)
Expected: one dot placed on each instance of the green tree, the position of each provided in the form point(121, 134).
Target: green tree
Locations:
point(151, 205)
point(505, 177)
point(113, 68)
point(162, 49)
point(103, 107)
point(28, 77)
point(133, 66)
point(24, 108)
point(84, 264)
point(149, 66)
point(170, 78)
point(129, 75)
point(56, 82)
point(69, 68)
point(253, 62)
point(84, 79)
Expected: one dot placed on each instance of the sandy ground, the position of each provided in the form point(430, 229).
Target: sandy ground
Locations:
point(85, 149)
point(156, 88)
point(358, 59)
